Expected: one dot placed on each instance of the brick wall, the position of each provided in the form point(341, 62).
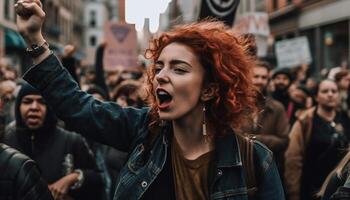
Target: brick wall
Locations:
point(273, 5)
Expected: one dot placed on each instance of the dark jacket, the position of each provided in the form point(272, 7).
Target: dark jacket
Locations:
point(70, 63)
point(128, 129)
point(56, 151)
point(336, 190)
point(20, 177)
point(342, 193)
point(295, 156)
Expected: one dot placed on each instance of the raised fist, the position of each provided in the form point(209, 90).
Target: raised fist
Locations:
point(22, 11)
point(30, 18)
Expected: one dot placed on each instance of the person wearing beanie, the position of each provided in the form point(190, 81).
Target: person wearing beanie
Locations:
point(63, 157)
point(281, 80)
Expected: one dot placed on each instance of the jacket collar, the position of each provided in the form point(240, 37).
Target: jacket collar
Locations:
point(227, 151)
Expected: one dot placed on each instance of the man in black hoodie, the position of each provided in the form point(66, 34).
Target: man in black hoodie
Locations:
point(64, 158)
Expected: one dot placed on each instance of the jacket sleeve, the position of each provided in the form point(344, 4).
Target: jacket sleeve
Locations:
point(334, 183)
point(343, 190)
point(100, 80)
point(342, 193)
point(30, 184)
point(294, 161)
point(105, 122)
point(269, 182)
point(93, 180)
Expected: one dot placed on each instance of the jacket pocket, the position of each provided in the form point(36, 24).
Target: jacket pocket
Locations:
point(136, 160)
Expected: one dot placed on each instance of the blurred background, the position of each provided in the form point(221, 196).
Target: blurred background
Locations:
point(288, 32)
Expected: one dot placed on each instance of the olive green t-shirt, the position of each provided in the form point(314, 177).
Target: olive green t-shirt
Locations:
point(190, 176)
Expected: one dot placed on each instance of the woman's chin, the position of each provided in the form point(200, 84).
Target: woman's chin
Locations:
point(166, 116)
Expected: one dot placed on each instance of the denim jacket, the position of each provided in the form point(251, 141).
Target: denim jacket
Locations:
point(126, 129)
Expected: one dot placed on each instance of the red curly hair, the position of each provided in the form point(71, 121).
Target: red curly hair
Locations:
point(227, 63)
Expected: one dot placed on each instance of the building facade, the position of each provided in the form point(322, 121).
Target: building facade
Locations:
point(96, 14)
point(12, 45)
point(251, 17)
point(325, 23)
point(63, 23)
point(62, 26)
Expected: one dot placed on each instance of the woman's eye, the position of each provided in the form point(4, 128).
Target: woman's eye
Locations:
point(157, 69)
point(179, 70)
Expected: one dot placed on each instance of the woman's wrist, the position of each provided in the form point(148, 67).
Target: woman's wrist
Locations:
point(35, 39)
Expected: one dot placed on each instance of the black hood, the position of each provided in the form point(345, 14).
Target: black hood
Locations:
point(50, 118)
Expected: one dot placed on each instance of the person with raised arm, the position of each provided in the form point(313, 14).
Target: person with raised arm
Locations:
point(183, 146)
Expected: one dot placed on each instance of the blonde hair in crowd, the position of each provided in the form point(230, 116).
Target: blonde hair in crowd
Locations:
point(337, 170)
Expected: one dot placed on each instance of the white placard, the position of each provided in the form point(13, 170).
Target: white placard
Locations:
point(293, 52)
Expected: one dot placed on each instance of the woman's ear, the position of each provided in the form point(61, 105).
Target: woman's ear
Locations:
point(209, 91)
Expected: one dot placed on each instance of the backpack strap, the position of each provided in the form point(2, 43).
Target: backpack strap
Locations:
point(246, 147)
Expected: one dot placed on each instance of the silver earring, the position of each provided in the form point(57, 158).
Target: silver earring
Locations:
point(204, 125)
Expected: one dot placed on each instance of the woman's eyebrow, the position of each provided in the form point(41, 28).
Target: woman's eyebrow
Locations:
point(175, 62)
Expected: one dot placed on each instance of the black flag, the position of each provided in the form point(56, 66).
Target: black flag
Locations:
point(224, 10)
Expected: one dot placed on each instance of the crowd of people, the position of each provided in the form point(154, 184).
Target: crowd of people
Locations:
point(206, 120)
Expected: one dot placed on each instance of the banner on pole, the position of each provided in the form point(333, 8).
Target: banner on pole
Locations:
point(224, 10)
point(256, 23)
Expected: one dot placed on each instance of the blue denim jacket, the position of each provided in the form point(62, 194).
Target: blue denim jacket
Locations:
point(126, 130)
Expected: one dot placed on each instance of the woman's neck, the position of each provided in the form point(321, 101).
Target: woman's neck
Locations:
point(326, 113)
point(189, 135)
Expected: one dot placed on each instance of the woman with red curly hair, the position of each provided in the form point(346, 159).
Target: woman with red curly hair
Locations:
point(184, 146)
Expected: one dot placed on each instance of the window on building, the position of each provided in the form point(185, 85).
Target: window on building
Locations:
point(310, 34)
point(260, 6)
point(7, 9)
point(93, 41)
point(56, 15)
point(248, 6)
point(334, 44)
point(274, 5)
point(92, 18)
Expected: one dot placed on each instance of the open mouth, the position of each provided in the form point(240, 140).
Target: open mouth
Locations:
point(164, 98)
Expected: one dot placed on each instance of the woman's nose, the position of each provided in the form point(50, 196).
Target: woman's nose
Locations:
point(162, 76)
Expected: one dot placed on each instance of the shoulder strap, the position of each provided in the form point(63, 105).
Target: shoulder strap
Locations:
point(246, 147)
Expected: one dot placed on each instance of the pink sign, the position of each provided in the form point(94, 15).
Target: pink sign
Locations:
point(121, 48)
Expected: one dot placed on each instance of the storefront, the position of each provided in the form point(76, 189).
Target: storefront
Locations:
point(327, 28)
point(15, 49)
point(326, 25)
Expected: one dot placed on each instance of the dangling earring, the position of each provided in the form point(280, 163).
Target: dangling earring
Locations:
point(204, 125)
